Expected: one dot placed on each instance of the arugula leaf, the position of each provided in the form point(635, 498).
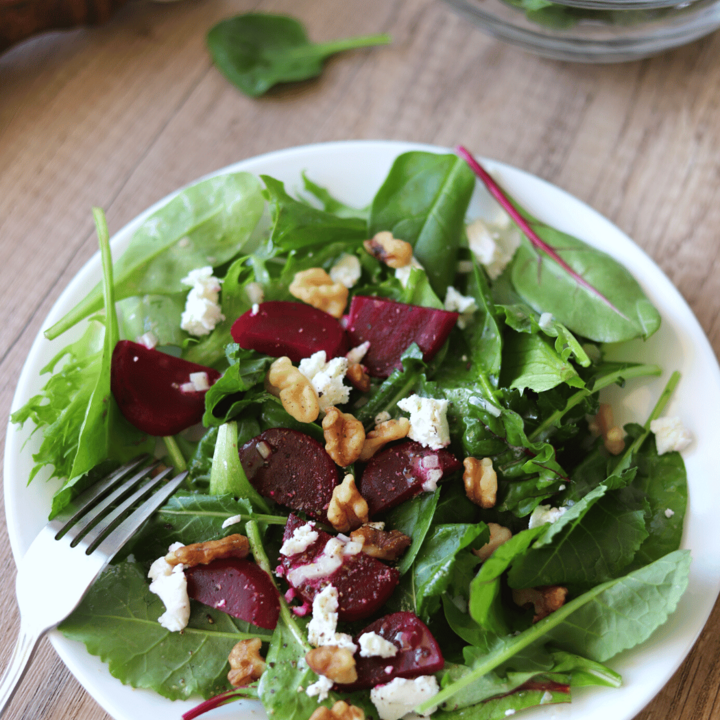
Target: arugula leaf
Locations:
point(413, 518)
point(117, 621)
point(498, 708)
point(606, 620)
point(256, 51)
point(330, 204)
point(205, 224)
point(530, 362)
point(584, 672)
point(423, 201)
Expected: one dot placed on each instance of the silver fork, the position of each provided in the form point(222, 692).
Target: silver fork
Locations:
point(72, 550)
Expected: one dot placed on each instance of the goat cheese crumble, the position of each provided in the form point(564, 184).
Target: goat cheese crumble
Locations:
point(302, 538)
point(403, 273)
point(399, 697)
point(326, 378)
point(428, 421)
point(493, 243)
point(670, 435)
point(374, 645)
point(321, 688)
point(358, 353)
point(202, 307)
point(346, 270)
point(170, 585)
point(457, 302)
point(322, 629)
point(543, 514)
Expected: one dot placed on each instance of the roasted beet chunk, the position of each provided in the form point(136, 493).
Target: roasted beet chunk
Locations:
point(237, 587)
point(391, 327)
point(400, 472)
point(288, 328)
point(364, 584)
point(154, 390)
point(418, 652)
point(290, 468)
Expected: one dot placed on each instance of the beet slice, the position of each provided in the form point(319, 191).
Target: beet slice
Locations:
point(418, 652)
point(288, 328)
point(364, 584)
point(391, 327)
point(398, 473)
point(146, 386)
point(292, 469)
point(237, 587)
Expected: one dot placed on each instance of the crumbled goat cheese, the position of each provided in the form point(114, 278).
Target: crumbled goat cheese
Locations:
point(456, 302)
point(322, 629)
point(326, 378)
point(254, 310)
point(302, 538)
point(232, 520)
point(255, 293)
point(376, 525)
point(403, 273)
point(546, 320)
point(670, 434)
point(202, 308)
point(510, 711)
point(382, 417)
point(358, 353)
point(346, 270)
point(321, 688)
point(200, 381)
point(669, 513)
point(325, 564)
point(428, 421)
point(543, 514)
point(399, 697)
point(149, 340)
point(170, 585)
point(374, 645)
point(493, 244)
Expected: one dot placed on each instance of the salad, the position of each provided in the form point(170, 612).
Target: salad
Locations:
point(516, 384)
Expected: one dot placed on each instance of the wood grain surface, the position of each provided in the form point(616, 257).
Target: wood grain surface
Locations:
point(118, 116)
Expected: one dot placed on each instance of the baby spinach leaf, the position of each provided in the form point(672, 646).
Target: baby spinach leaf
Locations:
point(159, 314)
point(414, 519)
point(530, 362)
point(483, 334)
point(227, 476)
point(498, 708)
point(297, 225)
point(423, 201)
point(117, 621)
point(434, 563)
point(331, 204)
point(205, 224)
point(418, 291)
point(604, 621)
point(256, 51)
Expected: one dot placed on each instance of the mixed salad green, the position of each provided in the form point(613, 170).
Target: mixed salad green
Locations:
point(521, 378)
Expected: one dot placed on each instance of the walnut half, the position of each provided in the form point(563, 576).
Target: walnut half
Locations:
point(389, 250)
point(339, 711)
point(344, 436)
point(545, 599)
point(315, 287)
point(236, 546)
point(384, 433)
point(604, 424)
point(347, 509)
point(246, 663)
point(295, 391)
point(480, 481)
point(380, 544)
point(335, 663)
point(498, 536)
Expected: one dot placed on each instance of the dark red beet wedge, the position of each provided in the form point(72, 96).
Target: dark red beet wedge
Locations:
point(418, 652)
point(391, 327)
point(398, 474)
point(292, 469)
point(364, 584)
point(288, 328)
point(146, 386)
point(237, 587)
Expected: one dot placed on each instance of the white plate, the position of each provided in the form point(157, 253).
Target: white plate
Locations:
point(354, 171)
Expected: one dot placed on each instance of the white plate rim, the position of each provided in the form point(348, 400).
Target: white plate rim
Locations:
point(645, 670)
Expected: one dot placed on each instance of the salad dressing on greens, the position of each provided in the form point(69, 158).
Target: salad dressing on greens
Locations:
point(516, 578)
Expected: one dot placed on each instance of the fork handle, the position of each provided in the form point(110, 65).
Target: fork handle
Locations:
point(22, 654)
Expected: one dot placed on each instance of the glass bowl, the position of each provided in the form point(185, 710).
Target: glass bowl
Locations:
point(593, 31)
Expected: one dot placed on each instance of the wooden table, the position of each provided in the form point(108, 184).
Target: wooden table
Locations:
point(120, 115)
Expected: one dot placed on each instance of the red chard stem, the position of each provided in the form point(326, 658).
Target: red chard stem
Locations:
point(497, 192)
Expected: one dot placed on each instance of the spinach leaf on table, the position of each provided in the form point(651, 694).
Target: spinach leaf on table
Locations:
point(256, 51)
point(206, 224)
point(117, 621)
point(423, 201)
